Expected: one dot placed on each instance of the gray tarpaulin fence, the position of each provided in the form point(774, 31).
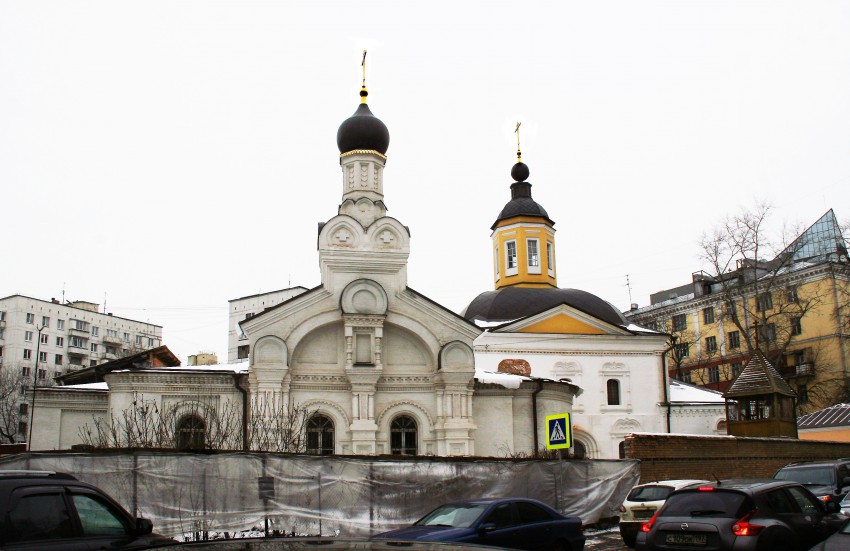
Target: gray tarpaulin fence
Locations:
point(331, 495)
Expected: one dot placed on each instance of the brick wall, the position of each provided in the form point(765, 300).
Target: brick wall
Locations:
point(671, 456)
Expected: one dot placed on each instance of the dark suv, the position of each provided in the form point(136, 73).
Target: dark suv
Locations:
point(743, 515)
point(828, 480)
point(47, 510)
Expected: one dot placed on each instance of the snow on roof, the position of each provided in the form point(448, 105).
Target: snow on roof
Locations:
point(683, 392)
point(639, 329)
point(240, 367)
point(83, 386)
point(483, 324)
point(507, 380)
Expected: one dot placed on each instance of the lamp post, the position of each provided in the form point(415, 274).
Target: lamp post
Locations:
point(34, 384)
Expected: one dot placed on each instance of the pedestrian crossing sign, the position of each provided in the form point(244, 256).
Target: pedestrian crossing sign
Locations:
point(559, 432)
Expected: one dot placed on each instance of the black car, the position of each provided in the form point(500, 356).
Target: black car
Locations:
point(742, 515)
point(515, 523)
point(828, 480)
point(47, 510)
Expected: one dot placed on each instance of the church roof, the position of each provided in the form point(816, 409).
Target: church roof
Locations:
point(363, 131)
point(759, 377)
point(157, 357)
point(521, 203)
point(513, 303)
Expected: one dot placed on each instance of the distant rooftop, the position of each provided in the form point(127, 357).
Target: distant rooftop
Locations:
point(833, 416)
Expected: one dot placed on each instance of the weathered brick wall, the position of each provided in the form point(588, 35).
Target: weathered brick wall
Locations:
point(670, 456)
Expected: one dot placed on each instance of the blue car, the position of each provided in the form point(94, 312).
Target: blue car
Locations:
point(515, 523)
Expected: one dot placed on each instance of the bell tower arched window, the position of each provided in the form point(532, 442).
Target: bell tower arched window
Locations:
point(320, 435)
point(403, 436)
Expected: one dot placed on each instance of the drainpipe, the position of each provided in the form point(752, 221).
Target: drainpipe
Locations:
point(534, 415)
point(664, 375)
point(238, 378)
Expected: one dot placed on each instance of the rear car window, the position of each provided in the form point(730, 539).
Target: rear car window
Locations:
point(715, 503)
point(822, 475)
point(649, 493)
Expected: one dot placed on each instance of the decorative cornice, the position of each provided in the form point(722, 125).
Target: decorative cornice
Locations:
point(362, 152)
point(480, 349)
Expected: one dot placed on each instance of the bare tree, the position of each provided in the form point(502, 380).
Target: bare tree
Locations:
point(200, 423)
point(753, 275)
point(12, 384)
point(748, 268)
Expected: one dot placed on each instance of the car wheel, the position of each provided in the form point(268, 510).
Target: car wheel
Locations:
point(629, 541)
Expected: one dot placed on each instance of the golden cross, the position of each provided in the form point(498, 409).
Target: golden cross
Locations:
point(518, 154)
point(363, 64)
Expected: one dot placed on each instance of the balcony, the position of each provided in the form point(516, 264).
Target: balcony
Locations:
point(74, 331)
point(79, 352)
point(113, 340)
point(800, 370)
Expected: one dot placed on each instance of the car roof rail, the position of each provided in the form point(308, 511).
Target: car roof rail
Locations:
point(23, 473)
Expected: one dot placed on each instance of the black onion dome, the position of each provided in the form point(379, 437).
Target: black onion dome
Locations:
point(363, 130)
point(521, 203)
point(512, 303)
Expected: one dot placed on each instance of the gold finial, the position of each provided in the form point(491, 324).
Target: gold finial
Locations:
point(363, 91)
point(518, 152)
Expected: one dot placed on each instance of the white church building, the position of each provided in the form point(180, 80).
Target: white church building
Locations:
point(381, 369)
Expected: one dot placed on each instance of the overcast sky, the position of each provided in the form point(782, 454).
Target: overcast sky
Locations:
point(166, 157)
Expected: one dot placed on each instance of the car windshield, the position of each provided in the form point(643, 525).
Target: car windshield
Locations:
point(649, 493)
point(456, 516)
point(810, 476)
point(712, 503)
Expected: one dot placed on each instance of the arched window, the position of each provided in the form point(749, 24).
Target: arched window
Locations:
point(579, 451)
point(190, 432)
point(403, 436)
point(622, 449)
point(613, 392)
point(320, 435)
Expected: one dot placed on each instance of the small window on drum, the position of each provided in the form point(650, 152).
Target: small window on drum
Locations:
point(320, 435)
point(403, 436)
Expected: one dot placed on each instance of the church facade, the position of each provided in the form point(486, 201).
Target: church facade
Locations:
point(533, 327)
point(379, 367)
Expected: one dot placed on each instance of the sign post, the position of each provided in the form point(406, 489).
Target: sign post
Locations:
point(559, 432)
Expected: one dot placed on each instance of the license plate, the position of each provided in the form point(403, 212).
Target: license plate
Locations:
point(687, 539)
point(643, 513)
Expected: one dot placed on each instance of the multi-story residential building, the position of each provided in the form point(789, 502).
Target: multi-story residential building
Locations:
point(41, 339)
point(240, 309)
point(793, 307)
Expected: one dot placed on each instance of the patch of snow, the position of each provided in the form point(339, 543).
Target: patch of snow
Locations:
point(83, 386)
point(683, 392)
point(639, 329)
point(487, 324)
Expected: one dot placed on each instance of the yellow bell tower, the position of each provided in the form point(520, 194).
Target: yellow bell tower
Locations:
point(523, 237)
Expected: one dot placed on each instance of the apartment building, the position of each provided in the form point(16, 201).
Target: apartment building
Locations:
point(41, 339)
point(793, 307)
point(240, 309)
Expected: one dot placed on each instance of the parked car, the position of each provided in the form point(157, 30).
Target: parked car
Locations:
point(49, 510)
point(643, 501)
point(845, 505)
point(514, 523)
point(760, 514)
point(839, 541)
point(320, 544)
point(828, 480)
